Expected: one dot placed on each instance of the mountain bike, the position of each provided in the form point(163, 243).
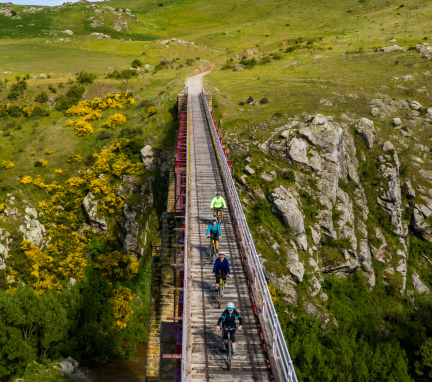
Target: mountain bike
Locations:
point(228, 346)
point(212, 250)
point(218, 214)
point(221, 290)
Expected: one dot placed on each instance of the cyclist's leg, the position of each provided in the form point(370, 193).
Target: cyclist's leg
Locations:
point(224, 277)
point(216, 238)
point(218, 277)
point(233, 341)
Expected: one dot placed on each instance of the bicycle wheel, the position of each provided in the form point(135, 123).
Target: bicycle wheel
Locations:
point(211, 251)
point(219, 217)
point(229, 352)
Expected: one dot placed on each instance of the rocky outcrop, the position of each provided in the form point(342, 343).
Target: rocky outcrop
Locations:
point(418, 285)
point(285, 206)
point(148, 158)
point(90, 205)
point(366, 128)
point(425, 49)
point(294, 264)
point(33, 231)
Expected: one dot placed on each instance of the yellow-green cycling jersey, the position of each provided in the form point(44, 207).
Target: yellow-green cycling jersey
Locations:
point(218, 203)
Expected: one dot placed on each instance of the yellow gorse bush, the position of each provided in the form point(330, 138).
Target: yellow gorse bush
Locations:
point(330, 47)
point(42, 163)
point(48, 151)
point(74, 159)
point(152, 110)
point(63, 258)
point(8, 164)
point(120, 303)
point(58, 171)
point(117, 265)
point(91, 111)
point(26, 180)
point(2, 207)
point(27, 111)
point(114, 121)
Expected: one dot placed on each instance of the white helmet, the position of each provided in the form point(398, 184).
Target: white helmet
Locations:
point(230, 305)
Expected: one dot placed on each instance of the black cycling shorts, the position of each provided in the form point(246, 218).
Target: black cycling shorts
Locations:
point(217, 209)
point(225, 335)
point(220, 276)
point(214, 236)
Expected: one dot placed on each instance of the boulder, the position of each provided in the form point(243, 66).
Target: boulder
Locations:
point(147, 158)
point(366, 128)
point(248, 170)
point(285, 206)
point(298, 151)
point(407, 186)
point(33, 231)
point(418, 285)
point(396, 122)
point(425, 49)
point(90, 208)
point(388, 146)
point(310, 309)
point(267, 177)
point(285, 284)
point(314, 286)
point(68, 32)
point(393, 48)
point(375, 111)
point(294, 265)
point(429, 112)
point(415, 105)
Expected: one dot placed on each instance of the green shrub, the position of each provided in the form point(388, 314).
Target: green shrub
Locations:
point(137, 64)
point(248, 63)
point(126, 74)
point(86, 77)
point(13, 96)
point(41, 97)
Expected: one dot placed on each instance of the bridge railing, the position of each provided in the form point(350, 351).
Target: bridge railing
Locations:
point(185, 321)
point(277, 345)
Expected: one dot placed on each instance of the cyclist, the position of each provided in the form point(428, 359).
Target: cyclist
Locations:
point(221, 269)
point(218, 204)
point(229, 319)
point(214, 232)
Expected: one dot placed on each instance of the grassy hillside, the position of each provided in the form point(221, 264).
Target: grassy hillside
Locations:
point(294, 58)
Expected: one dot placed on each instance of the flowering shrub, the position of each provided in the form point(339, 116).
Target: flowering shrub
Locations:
point(32, 153)
point(74, 159)
point(48, 151)
point(26, 180)
point(8, 164)
point(120, 303)
point(41, 163)
point(58, 172)
point(91, 111)
point(330, 47)
point(117, 265)
point(100, 185)
point(27, 111)
point(2, 207)
point(83, 128)
point(152, 110)
point(114, 121)
point(63, 258)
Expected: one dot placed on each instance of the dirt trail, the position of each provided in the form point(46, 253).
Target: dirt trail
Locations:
point(194, 83)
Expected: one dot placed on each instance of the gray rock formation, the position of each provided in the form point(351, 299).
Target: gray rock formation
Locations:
point(366, 128)
point(418, 285)
point(147, 158)
point(90, 205)
point(294, 265)
point(33, 230)
point(285, 206)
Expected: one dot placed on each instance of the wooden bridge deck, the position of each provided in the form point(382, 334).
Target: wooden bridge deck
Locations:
point(250, 363)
